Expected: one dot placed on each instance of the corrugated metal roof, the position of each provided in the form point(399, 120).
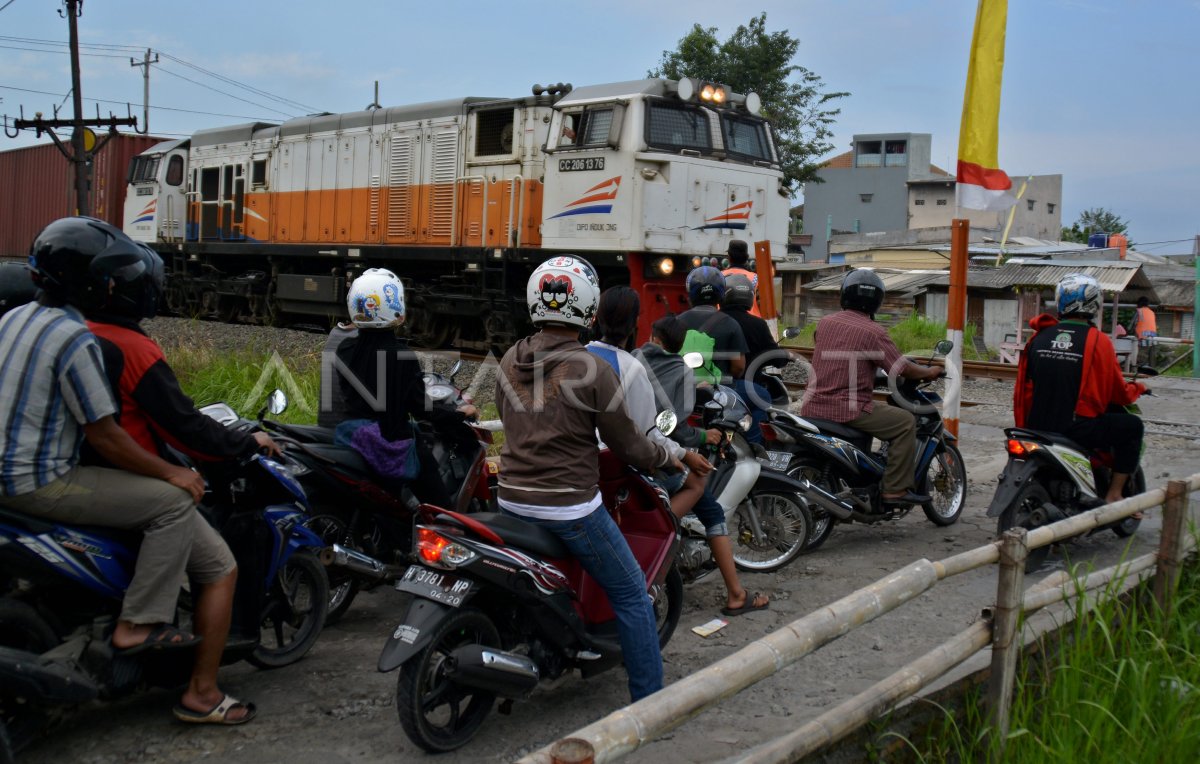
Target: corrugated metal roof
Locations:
point(904, 283)
point(1176, 293)
point(1113, 276)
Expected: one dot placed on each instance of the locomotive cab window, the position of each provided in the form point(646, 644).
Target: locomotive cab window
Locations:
point(494, 133)
point(258, 173)
point(175, 171)
point(746, 138)
point(143, 169)
point(593, 127)
point(677, 127)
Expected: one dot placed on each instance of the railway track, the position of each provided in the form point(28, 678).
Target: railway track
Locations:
point(1004, 372)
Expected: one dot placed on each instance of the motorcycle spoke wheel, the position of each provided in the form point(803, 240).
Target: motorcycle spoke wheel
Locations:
point(786, 524)
point(946, 482)
point(668, 605)
point(1024, 512)
point(343, 585)
point(1135, 485)
point(295, 613)
point(435, 713)
point(822, 521)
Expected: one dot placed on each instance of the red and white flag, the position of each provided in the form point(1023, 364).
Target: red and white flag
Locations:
point(982, 185)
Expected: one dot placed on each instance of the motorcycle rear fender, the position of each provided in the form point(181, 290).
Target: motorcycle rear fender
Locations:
point(773, 480)
point(828, 447)
point(412, 635)
point(1016, 473)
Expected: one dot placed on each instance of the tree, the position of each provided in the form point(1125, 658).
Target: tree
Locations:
point(754, 60)
point(1096, 220)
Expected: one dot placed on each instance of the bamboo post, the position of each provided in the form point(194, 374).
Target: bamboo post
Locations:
point(1005, 645)
point(1170, 545)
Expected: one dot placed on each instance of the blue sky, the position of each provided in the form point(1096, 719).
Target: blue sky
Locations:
point(1103, 91)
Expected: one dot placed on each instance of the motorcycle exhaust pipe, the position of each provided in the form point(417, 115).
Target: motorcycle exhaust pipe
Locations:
point(490, 669)
point(354, 561)
point(827, 502)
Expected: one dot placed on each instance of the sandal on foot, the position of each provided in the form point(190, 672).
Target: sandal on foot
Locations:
point(748, 607)
point(218, 714)
point(161, 638)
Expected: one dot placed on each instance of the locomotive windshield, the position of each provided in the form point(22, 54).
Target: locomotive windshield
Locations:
point(677, 126)
point(143, 168)
point(746, 137)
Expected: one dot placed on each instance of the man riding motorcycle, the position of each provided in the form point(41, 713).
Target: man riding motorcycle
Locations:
point(1069, 377)
point(850, 346)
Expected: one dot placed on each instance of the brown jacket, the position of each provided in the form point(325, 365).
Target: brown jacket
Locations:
point(553, 396)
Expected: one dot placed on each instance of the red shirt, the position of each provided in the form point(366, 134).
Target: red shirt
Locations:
point(849, 348)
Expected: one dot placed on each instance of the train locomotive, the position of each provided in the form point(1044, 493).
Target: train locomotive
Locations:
point(266, 223)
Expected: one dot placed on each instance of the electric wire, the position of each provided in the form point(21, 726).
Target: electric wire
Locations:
point(164, 70)
point(161, 108)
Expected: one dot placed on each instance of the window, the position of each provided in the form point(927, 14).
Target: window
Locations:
point(895, 153)
point(590, 128)
point(1050, 207)
point(677, 126)
point(175, 171)
point(865, 198)
point(1030, 204)
point(144, 169)
point(919, 202)
point(258, 172)
point(868, 154)
point(746, 137)
point(941, 202)
point(494, 133)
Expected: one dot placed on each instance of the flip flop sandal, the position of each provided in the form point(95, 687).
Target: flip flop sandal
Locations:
point(162, 638)
point(748, 607)
point(218, 714)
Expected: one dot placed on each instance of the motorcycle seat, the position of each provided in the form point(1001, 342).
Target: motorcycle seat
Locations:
point(855, 437)
point(307, 433)
point(527, 536)
point(37, 526)
point(344, 456)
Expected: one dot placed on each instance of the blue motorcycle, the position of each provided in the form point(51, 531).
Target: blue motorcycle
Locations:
point(61, 588)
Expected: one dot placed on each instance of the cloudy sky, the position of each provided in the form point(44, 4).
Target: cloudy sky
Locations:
point(1103, 91)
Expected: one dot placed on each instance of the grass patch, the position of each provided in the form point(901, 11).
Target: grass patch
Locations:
point(915, 335)
point(243, 380)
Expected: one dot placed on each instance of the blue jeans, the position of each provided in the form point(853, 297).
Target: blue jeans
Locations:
point(758, 400)
point(597, 543)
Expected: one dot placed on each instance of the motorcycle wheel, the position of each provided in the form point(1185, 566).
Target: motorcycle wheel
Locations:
point(823, 522)
point(786, 524)
point(946, 482)
point(436, 714)
point(343, 585)
point(22, 628)
point(1019, 514)
point(1135, 485)
point(295, 613)
point(668, 605)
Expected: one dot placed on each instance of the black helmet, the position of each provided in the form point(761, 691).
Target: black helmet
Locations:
point(73, 259)
point(739, 292)
point(705, 286)
point(136, 292)
point(862, 290)
point(16, 286)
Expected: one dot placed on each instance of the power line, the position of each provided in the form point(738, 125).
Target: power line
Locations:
point(162, 108)
point(10, 2)
point(223, 78)
point(222, 92)
point(45, 50)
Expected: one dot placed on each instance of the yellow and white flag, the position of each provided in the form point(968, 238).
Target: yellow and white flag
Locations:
point(982, 185)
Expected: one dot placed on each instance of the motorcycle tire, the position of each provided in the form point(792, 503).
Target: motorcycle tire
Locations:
point(1017, 515)
point(823, 522)
point(1135, 485)
point(295, 613)
point(946, 483)
point(668, 605)
point(459, 711)
point(343, 585)
point(23, 628)
point(786, 523)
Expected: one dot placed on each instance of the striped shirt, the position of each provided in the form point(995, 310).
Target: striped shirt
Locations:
point(849, 348)
point(51, 384)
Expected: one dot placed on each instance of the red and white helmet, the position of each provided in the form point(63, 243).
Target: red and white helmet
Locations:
point(376, 300)
point(563, 290)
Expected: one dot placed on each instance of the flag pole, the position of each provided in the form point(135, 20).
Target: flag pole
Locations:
point(956, 320)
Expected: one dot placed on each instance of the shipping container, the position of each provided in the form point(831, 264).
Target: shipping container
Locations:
point(37, 186)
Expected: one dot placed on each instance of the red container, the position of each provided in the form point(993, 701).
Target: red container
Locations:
point(37, 186)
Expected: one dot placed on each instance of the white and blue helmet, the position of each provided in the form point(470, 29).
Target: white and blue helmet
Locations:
point(1077, 293)
point(376, 300)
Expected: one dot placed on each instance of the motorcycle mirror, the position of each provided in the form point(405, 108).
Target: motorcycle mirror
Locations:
point(666, 422)
point(790, 332)
point(455, 369)
point(1147, 371)
point(693, 360)
point(943, 347)
point(277, 402)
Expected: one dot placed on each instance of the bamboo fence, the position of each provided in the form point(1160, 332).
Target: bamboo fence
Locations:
point(628, 728)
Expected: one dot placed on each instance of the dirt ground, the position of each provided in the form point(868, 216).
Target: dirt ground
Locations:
point(333, 707)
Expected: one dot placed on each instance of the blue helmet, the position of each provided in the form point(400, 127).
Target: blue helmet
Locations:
point(1077, 293)
point(706, 286)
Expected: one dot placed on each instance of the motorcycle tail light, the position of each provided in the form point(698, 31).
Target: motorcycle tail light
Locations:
point(1019, 448)
point(436, 549)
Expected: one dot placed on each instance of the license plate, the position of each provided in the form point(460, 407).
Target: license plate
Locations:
point(434, 585)
point(581, 164)
point(779, 459)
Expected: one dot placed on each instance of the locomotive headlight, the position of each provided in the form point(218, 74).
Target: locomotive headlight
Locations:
point(697, 261)
point(753, 103)
point(718, 96)
point(666, 266)
point(706, 92)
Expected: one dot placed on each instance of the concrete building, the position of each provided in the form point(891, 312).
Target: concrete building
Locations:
point(886, 183)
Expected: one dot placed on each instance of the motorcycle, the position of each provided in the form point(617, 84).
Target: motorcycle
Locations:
point(368, 527)
point(844, 475)
point(61, 588)
point(766, 510)
point(1048, 478)
point(499, 605)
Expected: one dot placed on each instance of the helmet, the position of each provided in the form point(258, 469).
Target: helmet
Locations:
point(705, 286)
point(1077, 293)
point(739, 291)
point(73, 259)
point(376, 299)
point(862, 290)
point(136, 291)
point(16, 287)
point(563, 290)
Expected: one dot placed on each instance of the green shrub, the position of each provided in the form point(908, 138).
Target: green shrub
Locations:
point(243, 380)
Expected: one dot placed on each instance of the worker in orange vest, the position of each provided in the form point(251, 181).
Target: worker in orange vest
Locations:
point(1145, 328)
point(739, 258)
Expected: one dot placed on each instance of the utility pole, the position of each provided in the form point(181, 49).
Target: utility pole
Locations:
point(84, 144)
point(145, 64)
